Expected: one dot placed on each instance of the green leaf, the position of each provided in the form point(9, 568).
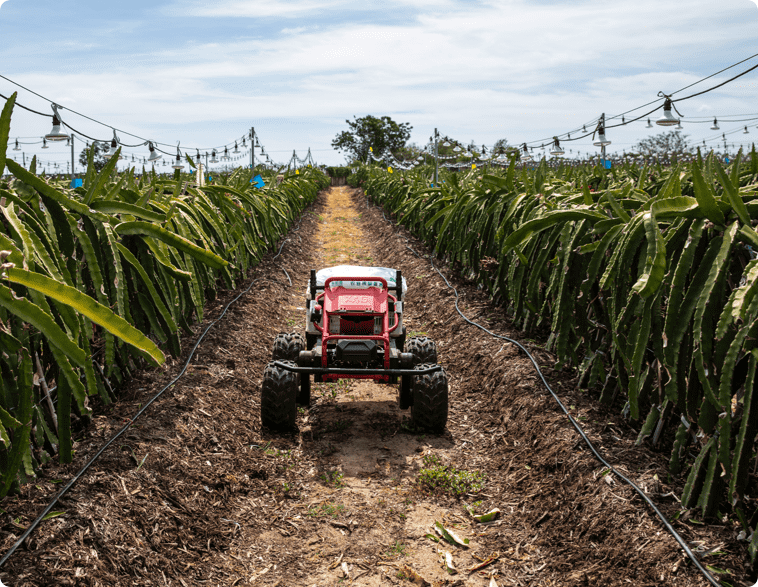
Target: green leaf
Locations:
point(130, 258)
point(5, 128)
point(42, 321)
point(115, 207)
point(733, 195)
point(706, 197)
point(526, 230)
point(84, 304)
point(174, 240)
point(655, 265)
point(51, 192)
point(105, 173)
point(676, 207)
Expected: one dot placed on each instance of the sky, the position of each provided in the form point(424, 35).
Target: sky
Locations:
point(202, 73)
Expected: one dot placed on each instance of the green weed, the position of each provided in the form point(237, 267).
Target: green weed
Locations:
point(333, 478)
point(436, 477)
point(327, 509)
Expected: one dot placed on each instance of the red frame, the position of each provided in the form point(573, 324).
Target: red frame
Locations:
point(378, 300)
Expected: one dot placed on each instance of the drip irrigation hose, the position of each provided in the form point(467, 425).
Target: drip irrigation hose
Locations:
point(128, 425)
point(576, 426)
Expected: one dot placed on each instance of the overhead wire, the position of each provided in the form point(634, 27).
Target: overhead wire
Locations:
point(129, 423)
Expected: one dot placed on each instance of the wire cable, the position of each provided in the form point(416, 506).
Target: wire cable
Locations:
point(128, 425)
point(578, 428)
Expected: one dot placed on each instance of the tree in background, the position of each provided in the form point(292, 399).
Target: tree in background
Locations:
point(409, 151)
point(369, 131)
point(501, 146)
point(668, 143)
point(99, 159)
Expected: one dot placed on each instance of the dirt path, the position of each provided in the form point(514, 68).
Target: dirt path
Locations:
point(198, 494)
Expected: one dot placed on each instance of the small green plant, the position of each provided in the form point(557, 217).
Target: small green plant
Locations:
point(435, 476)
point(398, 549)
point(327, 509)
point(333, 478)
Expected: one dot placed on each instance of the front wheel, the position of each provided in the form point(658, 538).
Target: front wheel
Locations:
point(278, 395)
point(430, 400)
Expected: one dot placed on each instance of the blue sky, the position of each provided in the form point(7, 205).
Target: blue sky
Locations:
point(204, 72)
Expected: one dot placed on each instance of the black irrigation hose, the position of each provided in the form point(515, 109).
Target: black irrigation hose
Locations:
point(578, 428)
point(128, 425)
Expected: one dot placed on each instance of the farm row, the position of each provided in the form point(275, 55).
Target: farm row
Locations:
point(99, 280)
point(643, 277)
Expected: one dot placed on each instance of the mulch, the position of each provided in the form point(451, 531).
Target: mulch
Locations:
point(196, 493)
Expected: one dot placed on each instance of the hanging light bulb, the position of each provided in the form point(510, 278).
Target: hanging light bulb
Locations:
point(225, 156)
point(154, 155)
point(667, 119)
point(601, 140)
point(557, 150)
point(236, 149)
point(457, 149)
point(584, 128)
point(44, 144)
point(178, 164)
point(213, 157)
point(56, 134)
point(649, 124)
point(16, 148)
point(526, 156)
point(446, 144)
point(114, 147)
point(715, 125)
point(679, 126)
point(746, 132)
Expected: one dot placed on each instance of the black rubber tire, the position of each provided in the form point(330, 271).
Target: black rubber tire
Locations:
point(422, 348)
point(430, 399)
point(287, 346)
point(304, 394)
point(278, 394)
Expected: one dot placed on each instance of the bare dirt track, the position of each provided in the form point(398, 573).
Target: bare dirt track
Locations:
point(198, 494)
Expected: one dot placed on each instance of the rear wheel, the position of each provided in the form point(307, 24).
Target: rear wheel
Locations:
point(430, 400)
point(287, 346)
point(278, 393)
point(422, 348)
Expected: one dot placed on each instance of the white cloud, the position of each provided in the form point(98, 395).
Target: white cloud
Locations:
point(509, 68)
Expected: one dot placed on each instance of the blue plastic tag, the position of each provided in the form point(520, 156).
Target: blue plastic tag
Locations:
point(77, 183)
point(258, 182)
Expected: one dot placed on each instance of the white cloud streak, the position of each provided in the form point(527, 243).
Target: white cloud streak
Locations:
point(507, 68)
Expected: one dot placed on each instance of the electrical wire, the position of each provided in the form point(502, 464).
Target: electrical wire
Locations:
point(677, 100)
point(576, 426)
point(128, 425)
point(93, 120)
